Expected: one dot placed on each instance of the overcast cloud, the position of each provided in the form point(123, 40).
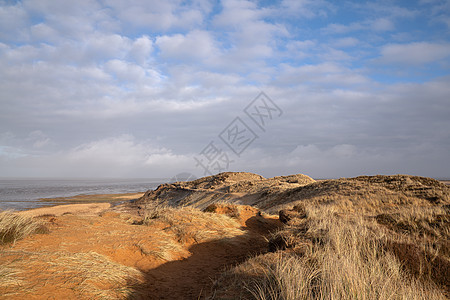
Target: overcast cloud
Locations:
point(113, 88)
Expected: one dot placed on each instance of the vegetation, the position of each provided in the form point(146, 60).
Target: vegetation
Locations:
point(82, 275)
point(190, 224)
point(184, 226)
point(14, 227)
point(369, 237)
point(328, 255)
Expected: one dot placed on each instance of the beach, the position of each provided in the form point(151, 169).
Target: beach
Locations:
point(81, 204)
point(23, 194)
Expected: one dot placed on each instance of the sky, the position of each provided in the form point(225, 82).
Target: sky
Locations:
point(145, 88)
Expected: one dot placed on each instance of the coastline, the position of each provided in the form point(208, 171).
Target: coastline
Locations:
point(23, 194)
point(84, 209)
point(79, 204)
point(94, 198)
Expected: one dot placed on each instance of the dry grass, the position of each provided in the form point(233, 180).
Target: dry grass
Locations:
point(192, 224)
point(165, 248)
point(364, 194)
point(9, 278)
point(86, 275)
point(330, 257)
point(381, 237)
point(96, 275)
point(223, 207)
point(14, 227)
point(422, 221)
point(182, 227)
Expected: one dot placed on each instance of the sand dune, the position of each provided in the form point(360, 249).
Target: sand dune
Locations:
point(220, 237)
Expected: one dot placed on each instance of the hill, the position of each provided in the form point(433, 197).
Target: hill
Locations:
point(238, 235)
point(370, 193)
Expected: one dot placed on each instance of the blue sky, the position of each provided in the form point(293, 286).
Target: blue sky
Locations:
point(118, 88)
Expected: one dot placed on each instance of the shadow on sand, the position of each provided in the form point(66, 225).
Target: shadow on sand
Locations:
point(193, 277)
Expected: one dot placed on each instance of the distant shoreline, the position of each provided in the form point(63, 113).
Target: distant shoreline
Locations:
point(112, 199)
point(26, 194)
point(94, 198)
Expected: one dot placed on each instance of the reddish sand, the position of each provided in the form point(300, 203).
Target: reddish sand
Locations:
point(91, 209)
point(82, 228)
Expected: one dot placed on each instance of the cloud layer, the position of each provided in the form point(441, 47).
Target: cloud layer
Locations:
point(113, 89)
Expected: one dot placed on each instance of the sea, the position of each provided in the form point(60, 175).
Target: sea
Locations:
point(21, 194)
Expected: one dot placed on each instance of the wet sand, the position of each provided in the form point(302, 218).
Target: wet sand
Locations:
point(80, 204)
point(96, 198)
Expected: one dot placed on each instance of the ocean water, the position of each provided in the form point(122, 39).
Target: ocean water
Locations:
point(20, 194)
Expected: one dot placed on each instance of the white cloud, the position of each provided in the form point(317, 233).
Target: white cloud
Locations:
point(13, 22)
point(124, 71)
point(382, 24)
point(346, 42)
point(161, 78)
point(197, 45)
point(414, 53)
point(69, 19)
point(377, 25)
point(160, 15)
point(237, 13)
point(329, 54)
point(307, 8)
point(341, 28)
point(43, 33)
point(250, 37)
point(386, 9)
point(300, 45)
point(111, 157)
point(325, 74)
point(122, 154)
point(439, 11)
point(39, 139)
point(217, 81)
point(99, 47)
point(141, 49)
point(122, 150)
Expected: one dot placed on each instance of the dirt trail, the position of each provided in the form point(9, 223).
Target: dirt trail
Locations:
point(193, 277)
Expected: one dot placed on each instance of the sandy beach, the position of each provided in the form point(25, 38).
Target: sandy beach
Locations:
point(87, 205)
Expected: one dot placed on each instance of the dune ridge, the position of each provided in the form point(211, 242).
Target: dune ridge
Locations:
point(238, 235)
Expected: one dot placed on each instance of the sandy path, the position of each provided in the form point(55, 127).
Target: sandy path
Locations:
point(110, 234)
point(193, 277)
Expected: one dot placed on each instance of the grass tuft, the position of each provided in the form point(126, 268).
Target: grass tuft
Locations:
point(192, 224)
point(86, 275)
point(14, 227)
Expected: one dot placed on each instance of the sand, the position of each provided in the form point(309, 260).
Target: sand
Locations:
point(86, 205)
point(91, 239)
point(99, 250)
point(88, 209)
